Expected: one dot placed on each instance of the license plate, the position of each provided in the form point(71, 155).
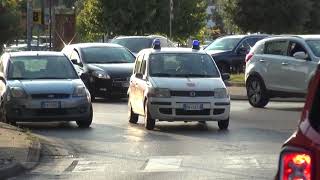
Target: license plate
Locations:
point(125, 84)
point(193, 107)
point(50, 105)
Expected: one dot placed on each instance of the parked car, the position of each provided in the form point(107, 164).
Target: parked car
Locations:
point(300, 154)
point(229, 52)
point(136, 43)
point(177, 84)
point(104, 68)
point(42, 86)
point(281, 67)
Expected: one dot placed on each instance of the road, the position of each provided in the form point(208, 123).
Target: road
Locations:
point(114, 149)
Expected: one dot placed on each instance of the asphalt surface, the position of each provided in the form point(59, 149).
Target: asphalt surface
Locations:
point(115, 149)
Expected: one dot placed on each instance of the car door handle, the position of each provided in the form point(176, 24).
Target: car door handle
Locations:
point(285, 63)
point(262, 60)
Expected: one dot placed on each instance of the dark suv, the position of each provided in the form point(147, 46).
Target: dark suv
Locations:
point(229, 52)
point(136, 43)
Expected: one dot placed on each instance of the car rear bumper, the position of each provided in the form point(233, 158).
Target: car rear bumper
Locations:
point(173, 109)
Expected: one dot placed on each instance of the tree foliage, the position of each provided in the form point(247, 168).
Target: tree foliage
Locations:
point(273, 16)
point(9, 21)
point(140, 17)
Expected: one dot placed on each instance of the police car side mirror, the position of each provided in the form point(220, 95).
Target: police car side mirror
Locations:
point(139, 75)
point(2, 78)
point(74, 61)
point(225, 76)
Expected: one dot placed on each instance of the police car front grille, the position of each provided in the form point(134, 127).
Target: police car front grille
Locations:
point(192, 93)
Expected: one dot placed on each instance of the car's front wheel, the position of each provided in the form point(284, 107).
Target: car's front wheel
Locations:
point(224, 124)
point(87, 122)
point(133, 117)
point(149, 122)
point(257, 92)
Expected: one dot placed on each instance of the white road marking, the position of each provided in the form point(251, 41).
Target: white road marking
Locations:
point(163, 164)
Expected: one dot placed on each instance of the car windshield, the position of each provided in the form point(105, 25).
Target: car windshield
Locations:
point(182, 65)
point(41, 67)
point(134, 44)
point(104, 55)
point(315, 46)
point(224, 44)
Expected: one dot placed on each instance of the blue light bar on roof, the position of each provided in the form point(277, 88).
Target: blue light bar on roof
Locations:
point(156, 44)
point(196, 45)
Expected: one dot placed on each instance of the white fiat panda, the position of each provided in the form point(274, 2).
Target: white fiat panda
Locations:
point(177, 84)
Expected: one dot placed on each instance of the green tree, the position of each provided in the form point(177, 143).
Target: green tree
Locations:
point(140, 17)
point(88, 20)
point(313, 25)
point(9, 21)
point(268, 16)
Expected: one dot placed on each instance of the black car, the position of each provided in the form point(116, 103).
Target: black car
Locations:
point(105, 68)
point(136, 43)
point(229, 52)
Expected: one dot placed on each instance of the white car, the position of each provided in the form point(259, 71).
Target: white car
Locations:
point(177, 84)
point(281, 67)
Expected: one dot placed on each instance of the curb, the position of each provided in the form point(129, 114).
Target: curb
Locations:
point(19, 167)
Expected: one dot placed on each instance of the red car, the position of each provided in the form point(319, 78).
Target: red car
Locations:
point(300, 155)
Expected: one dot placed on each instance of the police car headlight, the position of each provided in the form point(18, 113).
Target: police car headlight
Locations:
point(221, 93)
point(101, 74)
point(159, 92)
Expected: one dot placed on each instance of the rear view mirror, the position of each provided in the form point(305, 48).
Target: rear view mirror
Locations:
point(225, 76)
point(300, 55)
point(2, 78)
point(74, 61)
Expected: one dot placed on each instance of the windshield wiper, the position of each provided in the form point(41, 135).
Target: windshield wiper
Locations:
point(192, 75)
point(50, 78)
point(109, 62)
point(161, 75)
point(18, 78)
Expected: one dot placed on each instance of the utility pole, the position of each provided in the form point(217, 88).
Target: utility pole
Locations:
point(171, 17)
point(29, 23)
point(50, 25)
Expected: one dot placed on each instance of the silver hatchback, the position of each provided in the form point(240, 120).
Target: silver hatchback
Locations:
point(281, 67)
point(42, 86)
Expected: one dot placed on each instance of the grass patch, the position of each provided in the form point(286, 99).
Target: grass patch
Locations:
point(237, 78)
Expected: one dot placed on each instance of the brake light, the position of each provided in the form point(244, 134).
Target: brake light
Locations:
point(248, 57)
point(295, 166)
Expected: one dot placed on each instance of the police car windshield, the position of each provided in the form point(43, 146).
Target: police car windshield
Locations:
point(182, 65)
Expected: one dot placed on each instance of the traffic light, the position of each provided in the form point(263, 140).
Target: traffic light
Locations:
point(37, 17)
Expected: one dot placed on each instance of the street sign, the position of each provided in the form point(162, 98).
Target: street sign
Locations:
point(37, 16)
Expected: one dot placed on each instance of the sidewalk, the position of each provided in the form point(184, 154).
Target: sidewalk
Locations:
point(19, 151)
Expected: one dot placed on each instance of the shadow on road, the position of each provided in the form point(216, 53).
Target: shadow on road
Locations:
point(111, 100)
point(293, 109)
